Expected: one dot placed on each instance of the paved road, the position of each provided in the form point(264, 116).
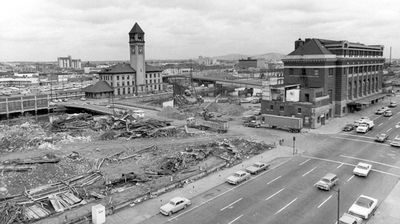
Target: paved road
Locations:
point(286, 194)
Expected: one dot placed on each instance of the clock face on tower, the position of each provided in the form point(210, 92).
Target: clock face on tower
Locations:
point(133, 49)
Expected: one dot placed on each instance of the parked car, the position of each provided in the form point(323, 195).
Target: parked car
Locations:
point(392, 104)
point(83, 98)
point(395, 142)
point(382, 137)
point(349, 219)
point(238, 177)
point(388, 113)
point(362, 169)
point(257, 168)
point(348, 127)
point(363, 207)
point(327, 182)
point(381, 110)
point(252, 124)
point(174, 205)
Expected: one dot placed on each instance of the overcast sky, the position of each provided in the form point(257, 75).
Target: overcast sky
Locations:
point(42, 30)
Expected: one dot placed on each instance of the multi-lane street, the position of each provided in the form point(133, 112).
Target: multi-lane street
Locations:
point(286, 193)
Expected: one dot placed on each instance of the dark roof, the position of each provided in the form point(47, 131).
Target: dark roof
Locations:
point(150, 68)
point(118, 69)
point(312, 46)
point(99, 87)
point(136, 29)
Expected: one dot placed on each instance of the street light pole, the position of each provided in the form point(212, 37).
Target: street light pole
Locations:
point(294, 145)
point(338, 205)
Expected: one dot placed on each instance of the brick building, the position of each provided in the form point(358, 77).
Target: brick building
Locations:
point(334, 77)
point(135, 77)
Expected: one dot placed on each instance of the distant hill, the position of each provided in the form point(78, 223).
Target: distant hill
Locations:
point(267, 56)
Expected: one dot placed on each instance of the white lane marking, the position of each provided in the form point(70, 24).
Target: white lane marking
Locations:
point(349, 164)
point(352, 135)
point(339, 166)
point(358, 140)
point(324, 201)
point(371, 161)
point(304, 162)
point(230, 205)
point(285, 206)
point(231, 189)
point(350, 178)
point(380, 124)
point(389, 129)
point(389, 118)
point(275, 194)
point(274, 180)
point(240, 216)
point(309, 171)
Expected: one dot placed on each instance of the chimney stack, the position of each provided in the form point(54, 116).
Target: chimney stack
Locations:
point(298, 43)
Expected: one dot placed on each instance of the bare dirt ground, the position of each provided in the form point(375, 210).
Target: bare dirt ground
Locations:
point(129, 167)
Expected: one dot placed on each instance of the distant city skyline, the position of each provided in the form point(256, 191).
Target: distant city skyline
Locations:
point(97, 30)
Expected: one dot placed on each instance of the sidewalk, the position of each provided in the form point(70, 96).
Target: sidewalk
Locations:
point(151, 207)
point(389, 210)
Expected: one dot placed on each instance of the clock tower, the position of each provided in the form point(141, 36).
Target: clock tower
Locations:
point(137, 61)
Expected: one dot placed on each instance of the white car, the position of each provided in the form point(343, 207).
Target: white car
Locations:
point(362, 128)
point(395, 142)
point(362, 169)
point(257, 168)
point(174, 205)
point(363, 207)
point(238, 177)
point(349, 219)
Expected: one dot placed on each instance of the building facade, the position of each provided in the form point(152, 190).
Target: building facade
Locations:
point(137, 76)
point(68, 62)
point(335, 77)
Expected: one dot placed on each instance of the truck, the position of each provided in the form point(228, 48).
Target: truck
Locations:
point(219, 126)
point(291, 124)
point(365, 126)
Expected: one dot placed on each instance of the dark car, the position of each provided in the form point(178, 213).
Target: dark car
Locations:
point(381, 137)
point(392, 104)
point(348, 127)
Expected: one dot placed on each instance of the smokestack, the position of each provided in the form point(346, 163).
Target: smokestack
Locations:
point(390, 58)
point(298, 43)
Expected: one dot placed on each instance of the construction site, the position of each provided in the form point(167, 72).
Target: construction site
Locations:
point(80, 160)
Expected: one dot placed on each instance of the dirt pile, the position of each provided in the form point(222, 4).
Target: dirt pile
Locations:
point(226, 109)
point(172, 113)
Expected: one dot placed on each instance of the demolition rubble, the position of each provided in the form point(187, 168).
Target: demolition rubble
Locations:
point(81, 159)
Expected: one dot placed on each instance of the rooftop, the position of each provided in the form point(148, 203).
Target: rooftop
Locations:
point(99, 87)
point(118, 69)
point(136, 29)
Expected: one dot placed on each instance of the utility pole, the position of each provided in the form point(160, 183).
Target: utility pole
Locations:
point(338, 205)
point(294, 145)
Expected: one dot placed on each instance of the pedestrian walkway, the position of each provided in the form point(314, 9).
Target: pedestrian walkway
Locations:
point(389, 210)
point(147, 209)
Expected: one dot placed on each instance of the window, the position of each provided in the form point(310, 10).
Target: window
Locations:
point(271, 107)
point(123, 77)
point(281, 108)
point(299, 110)
point(150, 75)
point(303, 71)
point(291, 71)
point(316, 71)
point(330, 71)
point(117, 77)
point(146, 76)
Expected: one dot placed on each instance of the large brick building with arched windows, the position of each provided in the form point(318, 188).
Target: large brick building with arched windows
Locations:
point(334, 78)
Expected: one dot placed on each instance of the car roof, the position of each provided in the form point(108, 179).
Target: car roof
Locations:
point(258, 163)
point(176, 199)
point(363, 197)
point(329, 175)
point(240, 172)
point(363, 164)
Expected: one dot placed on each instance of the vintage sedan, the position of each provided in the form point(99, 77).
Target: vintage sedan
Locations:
point(382, 137)
point(363, 207)
point(238, 177)
point(257, 168)
point(392, 104)
point(348, 127)
point(395, 142)
point(362, 169)
point(174, 205)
